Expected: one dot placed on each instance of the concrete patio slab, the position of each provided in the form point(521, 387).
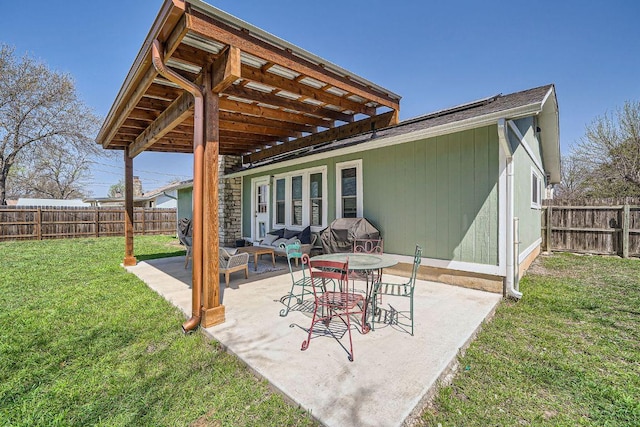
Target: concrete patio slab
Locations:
point(393, 374)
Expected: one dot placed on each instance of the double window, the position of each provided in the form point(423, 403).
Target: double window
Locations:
point(300, 199)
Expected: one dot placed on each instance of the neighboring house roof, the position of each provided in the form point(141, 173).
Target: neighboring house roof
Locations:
point(540, 101)
point(149, 195)
point(25, 201)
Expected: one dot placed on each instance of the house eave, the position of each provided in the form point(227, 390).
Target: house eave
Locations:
point(459, 126)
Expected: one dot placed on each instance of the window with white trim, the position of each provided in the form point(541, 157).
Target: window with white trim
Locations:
point(536, 189)
point(349, 189)
point(280, 196)
point(316, 218)
point(300, 199)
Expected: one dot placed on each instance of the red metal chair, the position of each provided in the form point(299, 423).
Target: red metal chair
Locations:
point(341, 302)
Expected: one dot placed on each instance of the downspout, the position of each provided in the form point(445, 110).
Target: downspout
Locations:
point(198, 167)
point(503, 138)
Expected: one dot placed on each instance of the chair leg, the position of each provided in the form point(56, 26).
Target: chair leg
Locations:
point(246, 271)
point(285, 311)
point(305, 343)
point(350, 357)
point(226, 279)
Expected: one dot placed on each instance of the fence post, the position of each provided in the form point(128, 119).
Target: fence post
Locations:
point(39, 224)
point(97, 223)
point(625, 231)
point(144, 220)
point(548, 228)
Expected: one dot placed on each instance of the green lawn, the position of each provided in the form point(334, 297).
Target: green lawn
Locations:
point(82, 342)
point(567, 354)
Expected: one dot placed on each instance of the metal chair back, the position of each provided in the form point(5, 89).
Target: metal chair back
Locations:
point(368, 246)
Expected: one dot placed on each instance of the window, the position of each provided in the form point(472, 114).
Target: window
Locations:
point(315, 199)
point(536, 193)
point(296, 200)
point(280, 202)
point(349, 189)
point(300, 199)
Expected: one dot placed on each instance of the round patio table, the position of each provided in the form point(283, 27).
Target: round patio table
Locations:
point(365, 263)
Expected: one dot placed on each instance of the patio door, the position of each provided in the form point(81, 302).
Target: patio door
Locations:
point(260, 208)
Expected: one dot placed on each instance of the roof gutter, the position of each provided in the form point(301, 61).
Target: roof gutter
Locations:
point(198, 167)
point(509, 280)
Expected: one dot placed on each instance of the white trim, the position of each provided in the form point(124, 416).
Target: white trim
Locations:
point(254, 181)
point(502, 213)
point(528, 251)
point(471, 123)
point(469, 267)
point(357, 164)
point(525, 145)
point(535, 204)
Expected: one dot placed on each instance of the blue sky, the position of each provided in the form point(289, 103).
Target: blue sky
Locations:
point(434, 54)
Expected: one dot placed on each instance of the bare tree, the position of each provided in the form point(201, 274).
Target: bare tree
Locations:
point(46, 132)
point(573, 179)
point(610, 153)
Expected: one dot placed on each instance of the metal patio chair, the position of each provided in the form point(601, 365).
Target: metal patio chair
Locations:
point(398, 290)
point(367, 246)
point(341, 302)
point(294, 253)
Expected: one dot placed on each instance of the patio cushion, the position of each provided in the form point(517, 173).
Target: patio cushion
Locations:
point(305, 236)
point(279, 233)
point(278, 242)
point(269, 239)
point(288, 234)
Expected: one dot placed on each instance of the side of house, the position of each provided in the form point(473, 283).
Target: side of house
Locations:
point(445, 181)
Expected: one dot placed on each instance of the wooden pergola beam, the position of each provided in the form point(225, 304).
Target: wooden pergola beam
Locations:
point(340, 132)
point(227, 104)
point(264, 77)
point(226, 70)
point(207, 26)
point(279, 101)
point(179, 110)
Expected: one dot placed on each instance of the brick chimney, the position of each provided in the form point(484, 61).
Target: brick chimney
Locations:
point(137, 187)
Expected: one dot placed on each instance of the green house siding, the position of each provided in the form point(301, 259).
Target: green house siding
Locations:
point(185, 203)
point(529, 217)
point(441, 193)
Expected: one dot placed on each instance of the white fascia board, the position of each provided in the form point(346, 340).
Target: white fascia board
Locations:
point(380, 142)
point(549, 120)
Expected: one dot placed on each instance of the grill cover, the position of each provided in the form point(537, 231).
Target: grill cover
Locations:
point(339, 236)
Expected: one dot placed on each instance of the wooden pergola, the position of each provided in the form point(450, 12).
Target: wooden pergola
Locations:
point(207, 83)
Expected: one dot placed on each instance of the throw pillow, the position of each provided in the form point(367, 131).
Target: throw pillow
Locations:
point(269, 239)
point(305, 236)
point(279, 233)
point(288, 234)
point(278, 242)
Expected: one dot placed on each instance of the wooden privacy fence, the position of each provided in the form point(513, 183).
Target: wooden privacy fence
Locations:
point(39, 223)
point(603, 227)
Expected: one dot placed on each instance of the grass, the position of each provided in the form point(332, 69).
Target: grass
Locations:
point(82, 342)
point(567, 354)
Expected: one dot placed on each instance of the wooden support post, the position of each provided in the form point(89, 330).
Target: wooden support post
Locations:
point(548, 229)
point(129, 258)
point(39, 223)
point(625, 231)
point(213, 312)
